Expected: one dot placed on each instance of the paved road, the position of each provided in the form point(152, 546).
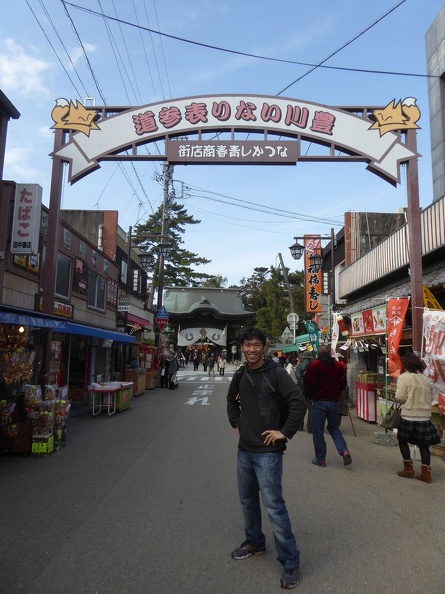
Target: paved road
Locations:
point(145, 502)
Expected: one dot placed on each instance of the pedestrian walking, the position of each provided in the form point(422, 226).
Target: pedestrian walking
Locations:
point(211, 366)
point(415, 393)
point(172, 371)
point(300, 371)
point(222, 366)
point(272, 408)
point(324, 380)
point(290, 368)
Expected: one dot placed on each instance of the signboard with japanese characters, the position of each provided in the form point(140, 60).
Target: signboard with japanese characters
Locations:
point(26, 219)
point(312, 246)
point(369, 322)
point(98, 134)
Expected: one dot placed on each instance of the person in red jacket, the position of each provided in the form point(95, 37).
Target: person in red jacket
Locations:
point(324, 380)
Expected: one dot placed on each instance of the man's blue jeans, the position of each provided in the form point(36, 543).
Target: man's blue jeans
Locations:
point(262, 473)
point(322, 411)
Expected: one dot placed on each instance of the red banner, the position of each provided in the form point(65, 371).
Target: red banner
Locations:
point(395, 317)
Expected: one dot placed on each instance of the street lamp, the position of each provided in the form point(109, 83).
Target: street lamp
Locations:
point(297, 250)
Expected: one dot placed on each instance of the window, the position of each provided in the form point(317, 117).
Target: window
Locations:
point(63, 276)
point(96, 291)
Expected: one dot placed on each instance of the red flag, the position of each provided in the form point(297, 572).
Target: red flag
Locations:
point(395, 317)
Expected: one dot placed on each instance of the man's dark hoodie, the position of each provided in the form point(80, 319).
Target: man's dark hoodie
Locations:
point(325, 378)
point(262, 399)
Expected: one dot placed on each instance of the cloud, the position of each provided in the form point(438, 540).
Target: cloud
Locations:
point(22, 71)
point(17, 164)
point(77, 54)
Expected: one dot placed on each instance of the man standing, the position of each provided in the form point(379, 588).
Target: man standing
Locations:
point(324, 380)
point(265, 407)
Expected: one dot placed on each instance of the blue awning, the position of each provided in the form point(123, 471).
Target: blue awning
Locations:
point(82, 330)
point(12, 315)
point(32, 320)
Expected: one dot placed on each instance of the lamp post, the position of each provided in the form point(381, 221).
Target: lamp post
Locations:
point(297, 250)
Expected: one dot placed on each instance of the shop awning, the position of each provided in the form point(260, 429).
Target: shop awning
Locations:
point(136, 320)
point(82, 330)
point(32, 320)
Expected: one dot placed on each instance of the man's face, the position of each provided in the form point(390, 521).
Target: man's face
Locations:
point(253, 351)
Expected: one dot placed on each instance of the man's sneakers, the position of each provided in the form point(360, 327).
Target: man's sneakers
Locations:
point(321, 463)
point(346, 458)
point(289, 578)
point(246, 550)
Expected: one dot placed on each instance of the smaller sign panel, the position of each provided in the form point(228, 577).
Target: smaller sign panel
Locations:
point(161, 323)
point(232, 151)
point(26, 219)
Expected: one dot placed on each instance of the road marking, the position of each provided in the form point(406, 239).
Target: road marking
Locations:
point(204, 401)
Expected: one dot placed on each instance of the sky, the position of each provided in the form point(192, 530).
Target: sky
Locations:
point(51, 49)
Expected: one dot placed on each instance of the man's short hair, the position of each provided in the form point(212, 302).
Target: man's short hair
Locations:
point(252, 333)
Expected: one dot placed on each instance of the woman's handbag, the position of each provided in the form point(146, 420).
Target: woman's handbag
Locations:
point(392, 417)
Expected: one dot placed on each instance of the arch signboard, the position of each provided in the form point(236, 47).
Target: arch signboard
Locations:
point(257, 129)
point(240, 129)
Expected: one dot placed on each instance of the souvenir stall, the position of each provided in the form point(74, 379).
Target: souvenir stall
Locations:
point(367, 348)
point(135, 367)
point(32, 421)
point(151, 364)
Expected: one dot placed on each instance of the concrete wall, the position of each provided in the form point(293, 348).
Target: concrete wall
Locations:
point(435, 52)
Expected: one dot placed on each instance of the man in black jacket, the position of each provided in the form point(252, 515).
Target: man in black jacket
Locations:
point(265, 407)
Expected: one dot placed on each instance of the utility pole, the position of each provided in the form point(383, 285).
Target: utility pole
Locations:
point(291, 297)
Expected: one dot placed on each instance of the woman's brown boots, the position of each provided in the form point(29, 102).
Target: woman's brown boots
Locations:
point(425, 473)
point(408, 471)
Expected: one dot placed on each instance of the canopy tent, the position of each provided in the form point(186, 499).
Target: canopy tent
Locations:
point(299, 341)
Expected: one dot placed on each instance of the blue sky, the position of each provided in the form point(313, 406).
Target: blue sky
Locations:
point(42, 58)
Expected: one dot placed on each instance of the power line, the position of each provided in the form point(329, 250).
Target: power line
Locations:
point(246, 204)
point(342, 47)
point(239, 53)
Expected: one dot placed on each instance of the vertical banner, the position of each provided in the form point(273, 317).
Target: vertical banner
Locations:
point(26, 219)
point(312, 279)
point(334, 334)
point(395, 317)
point(312, 330)
point(434, 353)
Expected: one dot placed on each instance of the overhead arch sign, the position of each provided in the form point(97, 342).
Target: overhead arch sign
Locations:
point(235, 129)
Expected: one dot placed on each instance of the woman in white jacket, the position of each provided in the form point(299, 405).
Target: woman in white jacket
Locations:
point(415, 394)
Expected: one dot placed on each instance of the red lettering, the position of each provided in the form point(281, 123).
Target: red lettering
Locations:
point(323, 122)
point(244, 111)
point(270, 113)
point(196, 112)
point(170, 116)
point(145, 122)
point(221, 111)
point(296, 116)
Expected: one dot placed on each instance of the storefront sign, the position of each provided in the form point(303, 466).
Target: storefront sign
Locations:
point(63, 309)
point(26, 219)
point(312, 277)
point(395, 318)
point(123, 303)
point(434, 353)
point(369, 322)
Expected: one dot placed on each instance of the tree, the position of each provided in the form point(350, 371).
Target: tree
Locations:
point(179, 266)
point(216, 282)
point(266, 293)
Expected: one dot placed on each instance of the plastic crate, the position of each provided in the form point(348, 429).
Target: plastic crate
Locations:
point(385, 438)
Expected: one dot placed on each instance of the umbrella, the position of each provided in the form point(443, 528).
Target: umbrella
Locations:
point(290, 348)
